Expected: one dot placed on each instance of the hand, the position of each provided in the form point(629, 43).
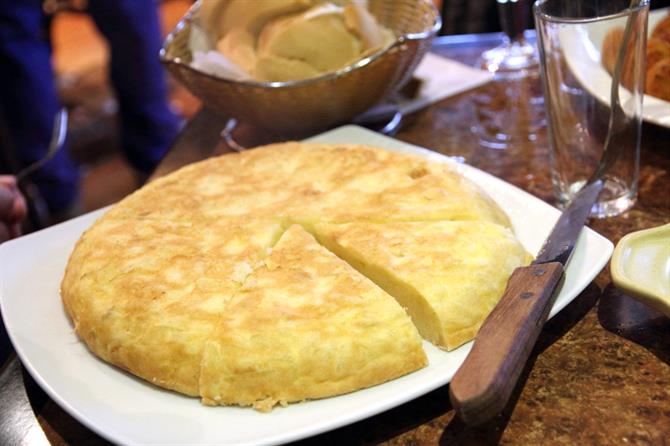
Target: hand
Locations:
point(13, 208)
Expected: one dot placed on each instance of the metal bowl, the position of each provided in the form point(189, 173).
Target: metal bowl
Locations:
point(299, 107)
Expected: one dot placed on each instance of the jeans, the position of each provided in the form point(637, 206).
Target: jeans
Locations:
point(29, 102)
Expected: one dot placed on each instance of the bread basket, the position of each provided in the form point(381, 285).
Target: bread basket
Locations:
point(302, 107)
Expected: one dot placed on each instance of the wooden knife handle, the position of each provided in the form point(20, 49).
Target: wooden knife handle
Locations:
point(483, 384)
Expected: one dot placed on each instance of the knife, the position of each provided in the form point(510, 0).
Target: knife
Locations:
point(483, 384)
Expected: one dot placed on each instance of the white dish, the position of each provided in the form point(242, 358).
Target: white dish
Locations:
point(126, 410)
point(641, 266)
point(584, 47)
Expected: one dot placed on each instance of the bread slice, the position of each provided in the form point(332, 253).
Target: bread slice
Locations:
point(448, 275)
point(306, 325)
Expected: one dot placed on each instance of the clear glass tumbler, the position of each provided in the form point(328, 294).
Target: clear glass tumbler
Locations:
point(579, 42)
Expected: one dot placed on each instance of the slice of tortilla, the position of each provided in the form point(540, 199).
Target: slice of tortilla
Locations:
point(306, 325)
point(449, 275)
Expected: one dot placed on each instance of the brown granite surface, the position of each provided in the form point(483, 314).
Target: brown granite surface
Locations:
point(600, 373)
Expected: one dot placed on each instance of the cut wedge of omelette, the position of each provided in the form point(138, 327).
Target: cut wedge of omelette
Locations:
point(306, 325)
point(449, 274)
point(201, 282)
point(146, 297)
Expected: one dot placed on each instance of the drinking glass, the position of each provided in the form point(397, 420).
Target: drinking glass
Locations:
point(580, 42)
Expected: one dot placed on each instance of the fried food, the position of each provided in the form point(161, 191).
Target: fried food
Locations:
point(662, 29)
point(658, 80)
point(448, 274)
point(306, 325)
point(207, 282)
point(657, 50)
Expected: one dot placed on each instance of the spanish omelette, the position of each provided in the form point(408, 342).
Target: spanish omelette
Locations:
point(159, 284)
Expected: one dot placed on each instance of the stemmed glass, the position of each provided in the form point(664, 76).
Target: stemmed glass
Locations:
point(510, 111)
point(515, 57)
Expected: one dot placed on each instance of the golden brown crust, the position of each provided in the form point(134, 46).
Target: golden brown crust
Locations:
point(309, 182)
point(154, 286)
point(657, 50)
point(662, 29)
point(658, 80)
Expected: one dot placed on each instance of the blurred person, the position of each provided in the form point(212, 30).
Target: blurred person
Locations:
point(13, 208)
point(29, 101)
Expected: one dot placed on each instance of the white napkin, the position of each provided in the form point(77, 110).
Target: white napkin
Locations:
point(441, 78)
point(216, 64)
